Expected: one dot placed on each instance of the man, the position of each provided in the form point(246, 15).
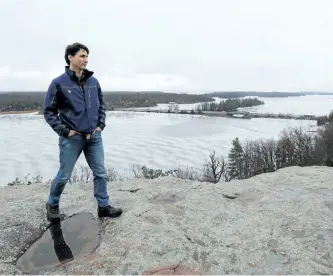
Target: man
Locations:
point(78, 98)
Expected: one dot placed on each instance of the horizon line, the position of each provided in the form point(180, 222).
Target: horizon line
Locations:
point(161, 91)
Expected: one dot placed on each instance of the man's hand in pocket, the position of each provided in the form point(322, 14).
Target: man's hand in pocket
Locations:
point(97, 129)
point(71, 133)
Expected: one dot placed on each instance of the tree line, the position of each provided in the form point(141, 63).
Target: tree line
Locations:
point(273, 94)
point(229, 104)
point(26, 101)
point(324, 120)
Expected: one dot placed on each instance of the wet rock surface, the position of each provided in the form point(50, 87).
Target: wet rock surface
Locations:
point(274, 223)
point(73, 238)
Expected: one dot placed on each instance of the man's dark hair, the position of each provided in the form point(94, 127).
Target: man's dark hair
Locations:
point(73, 49)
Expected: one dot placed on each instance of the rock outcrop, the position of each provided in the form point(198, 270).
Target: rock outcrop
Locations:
point(274, 223)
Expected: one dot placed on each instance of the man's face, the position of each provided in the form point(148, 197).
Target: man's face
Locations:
point(80, 60)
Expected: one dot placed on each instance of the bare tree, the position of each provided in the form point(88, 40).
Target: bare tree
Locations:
point(258, 157)
point(325, 144)
point(112, 174)
point(296, 147)
point(187, 173)
point(284, 153)
point(136, 169)
point(214, 169)
point(248, 159)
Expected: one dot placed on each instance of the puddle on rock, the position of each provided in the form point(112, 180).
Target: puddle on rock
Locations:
point(72, 238)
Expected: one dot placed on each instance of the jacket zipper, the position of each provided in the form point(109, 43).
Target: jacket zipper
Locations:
point(89, 97)
point(84, 97)
point(89, 102)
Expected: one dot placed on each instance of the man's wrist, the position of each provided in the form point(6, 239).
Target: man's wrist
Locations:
point(101, 126)
point(65, 132)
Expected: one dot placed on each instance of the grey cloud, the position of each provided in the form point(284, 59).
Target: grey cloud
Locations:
point(172, 45)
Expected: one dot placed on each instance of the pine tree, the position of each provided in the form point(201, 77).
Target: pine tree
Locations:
point(236, 160)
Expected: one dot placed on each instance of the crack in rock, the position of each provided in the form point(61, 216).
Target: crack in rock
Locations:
point(130, 190)
point(172, 269)
point(195, 241)
point(189, 238)
point(229, 196)
point(139, 215)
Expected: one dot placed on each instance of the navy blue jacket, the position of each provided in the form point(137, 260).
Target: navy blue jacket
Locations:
point(73, 104)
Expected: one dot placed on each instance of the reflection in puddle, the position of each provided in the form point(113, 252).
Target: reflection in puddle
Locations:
point(61, 248)
point(73, 238)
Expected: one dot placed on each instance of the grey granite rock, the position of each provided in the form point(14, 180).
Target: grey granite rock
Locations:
point(274, 223)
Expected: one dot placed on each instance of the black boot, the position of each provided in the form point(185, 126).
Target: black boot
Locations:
point(53, 213)
point(109, 211)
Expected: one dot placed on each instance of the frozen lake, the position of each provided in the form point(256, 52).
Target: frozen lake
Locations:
point(29, 145)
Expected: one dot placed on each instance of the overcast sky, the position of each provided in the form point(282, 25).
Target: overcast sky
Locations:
point(192, 46)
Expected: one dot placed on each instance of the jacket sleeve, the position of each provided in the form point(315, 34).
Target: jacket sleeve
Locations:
point(101, 111)
point(51, 105)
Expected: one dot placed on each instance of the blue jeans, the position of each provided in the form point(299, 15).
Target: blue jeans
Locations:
point(70, 150)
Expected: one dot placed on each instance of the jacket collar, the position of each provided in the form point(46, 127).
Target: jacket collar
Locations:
point(85, 75)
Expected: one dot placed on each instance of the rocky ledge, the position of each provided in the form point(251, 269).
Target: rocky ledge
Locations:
point(274, 223)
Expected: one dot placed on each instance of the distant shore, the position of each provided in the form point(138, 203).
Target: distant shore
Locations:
point(18, 112)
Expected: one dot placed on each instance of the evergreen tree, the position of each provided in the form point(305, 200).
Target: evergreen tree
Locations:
point(236, 160)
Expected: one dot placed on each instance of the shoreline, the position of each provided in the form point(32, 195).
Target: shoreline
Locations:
point(228, 114)
point(18, 112)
